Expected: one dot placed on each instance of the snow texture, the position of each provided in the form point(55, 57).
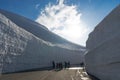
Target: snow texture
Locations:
point(39, 30)
point(106, 29)
point(103, 57)
point(23, 49)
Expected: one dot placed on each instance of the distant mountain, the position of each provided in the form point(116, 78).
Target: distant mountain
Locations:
point(103, 44)
point(25, 44)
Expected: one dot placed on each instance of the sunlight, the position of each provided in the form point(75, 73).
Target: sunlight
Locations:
point(75, 68)
point(65, 21)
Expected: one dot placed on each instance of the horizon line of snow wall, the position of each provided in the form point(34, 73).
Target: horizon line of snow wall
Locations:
point(20, 50)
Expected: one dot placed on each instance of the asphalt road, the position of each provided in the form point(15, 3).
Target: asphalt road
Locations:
point(64, 74)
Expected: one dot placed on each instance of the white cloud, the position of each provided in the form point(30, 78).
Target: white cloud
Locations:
point(65, 21)
point(37, 6)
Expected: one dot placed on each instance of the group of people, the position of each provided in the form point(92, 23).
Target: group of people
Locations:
point(60, 65)
point(82, 64)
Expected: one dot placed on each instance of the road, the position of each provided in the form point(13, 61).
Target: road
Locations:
point(65, 74)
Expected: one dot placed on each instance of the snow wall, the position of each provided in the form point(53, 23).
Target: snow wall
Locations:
point(103, 44)
point(20, 50)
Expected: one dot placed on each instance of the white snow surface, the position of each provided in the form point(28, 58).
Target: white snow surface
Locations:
point(106, 29)
point(40, 31)
point(103, 57)
point(22, 50)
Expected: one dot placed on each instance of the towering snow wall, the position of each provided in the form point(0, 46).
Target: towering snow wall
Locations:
point(39, 30)
point(103, 57)
point(105, 30)
point(22, 50)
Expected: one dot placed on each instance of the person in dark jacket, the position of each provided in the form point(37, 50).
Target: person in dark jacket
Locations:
point(53, 64)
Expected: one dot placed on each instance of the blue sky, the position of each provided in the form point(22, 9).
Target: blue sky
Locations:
point(86, 14)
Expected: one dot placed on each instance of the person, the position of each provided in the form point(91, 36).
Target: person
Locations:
point(61, 65)
point(53, 63)
point(68, 64)
point(57, 65)
point(82, 64)
point(65, 63)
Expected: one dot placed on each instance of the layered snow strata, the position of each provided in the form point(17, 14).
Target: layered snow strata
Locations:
point(40, 31)
point(106, 29)
point(21, 50)
point(103, 44)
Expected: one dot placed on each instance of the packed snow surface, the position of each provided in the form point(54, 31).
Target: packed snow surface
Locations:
point(103, 44)
point(25, 44)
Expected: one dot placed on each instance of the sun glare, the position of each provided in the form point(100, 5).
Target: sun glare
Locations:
point(64, 20)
